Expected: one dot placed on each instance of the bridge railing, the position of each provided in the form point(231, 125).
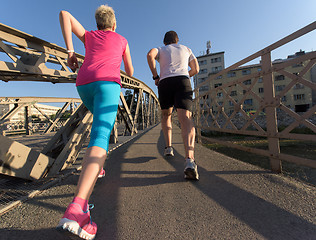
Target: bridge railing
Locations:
point(33, 59)
point(28, 58)
point(266, 88)
point(27, 115)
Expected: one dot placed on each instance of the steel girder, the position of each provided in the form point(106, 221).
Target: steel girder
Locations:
point(33, 59)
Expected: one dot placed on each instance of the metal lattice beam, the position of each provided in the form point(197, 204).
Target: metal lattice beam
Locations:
point(211, 115)
point(33, 59)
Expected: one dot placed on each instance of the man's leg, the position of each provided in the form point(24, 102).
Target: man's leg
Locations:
point(166, 126)
point(187, 131)
point(188, 136)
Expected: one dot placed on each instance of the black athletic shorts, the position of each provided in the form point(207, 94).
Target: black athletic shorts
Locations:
point(175, 91)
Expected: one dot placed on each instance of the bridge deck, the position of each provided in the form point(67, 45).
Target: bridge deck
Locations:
point(144, 196)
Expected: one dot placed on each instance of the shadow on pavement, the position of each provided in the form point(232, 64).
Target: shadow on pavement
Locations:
point(262, 216)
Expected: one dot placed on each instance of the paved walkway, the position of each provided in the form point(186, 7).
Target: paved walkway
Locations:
point(144, 196)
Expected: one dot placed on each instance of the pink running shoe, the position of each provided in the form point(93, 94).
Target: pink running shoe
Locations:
point(102, 173)
point(78, 222)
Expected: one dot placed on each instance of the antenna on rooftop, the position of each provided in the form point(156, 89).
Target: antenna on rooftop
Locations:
point(208, 47)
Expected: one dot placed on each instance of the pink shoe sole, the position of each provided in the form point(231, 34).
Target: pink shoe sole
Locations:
point(77, 222)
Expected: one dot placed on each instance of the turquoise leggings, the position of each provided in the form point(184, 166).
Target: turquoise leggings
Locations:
point(101, 98)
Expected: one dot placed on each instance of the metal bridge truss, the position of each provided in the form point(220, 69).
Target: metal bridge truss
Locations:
point(27, 125)
point(211, 115)
point(33, 59)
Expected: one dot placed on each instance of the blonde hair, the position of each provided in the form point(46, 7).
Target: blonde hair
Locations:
point(105, 17)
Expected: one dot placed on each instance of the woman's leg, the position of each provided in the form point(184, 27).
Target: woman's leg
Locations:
point(102, 99)
point(105, 97)
point(93, 162)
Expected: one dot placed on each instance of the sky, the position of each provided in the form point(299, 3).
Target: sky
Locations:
point(237, 27)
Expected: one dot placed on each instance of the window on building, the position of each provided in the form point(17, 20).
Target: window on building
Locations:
point(219, 77)
point(215, 60)
point(248, 102)
point(244, 92)
point(279, 77)
point(298, 86)
point(200, 80)
point(230, 103)
point(279, 88)
point(246, 72)
point(203, 88)
point(260, 80)
point(219, 95)
point(260, 90)
point(259, 69)
point(233, 93)
point(220, 103)
point(216, 69)
point(283, 99)
point(217, 85)
point(203, 62)
point(299, 96)
point(231, 74)
point(247, 82)
point(298, 65)
point(203, 71)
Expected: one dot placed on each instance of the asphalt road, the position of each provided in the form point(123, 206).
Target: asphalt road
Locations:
point(144, 196)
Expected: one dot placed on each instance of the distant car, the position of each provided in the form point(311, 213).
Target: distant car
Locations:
point(253, 112)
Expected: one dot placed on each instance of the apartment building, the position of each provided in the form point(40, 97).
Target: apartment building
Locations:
point(299, 98)
point(209, 63)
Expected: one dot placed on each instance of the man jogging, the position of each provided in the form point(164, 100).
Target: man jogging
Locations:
point(174, 90)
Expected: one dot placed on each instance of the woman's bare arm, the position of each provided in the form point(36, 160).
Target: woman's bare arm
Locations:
point(68, 26)
point(127, 59)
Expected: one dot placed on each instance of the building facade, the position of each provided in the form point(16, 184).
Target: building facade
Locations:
point(209, 64)
point(299, 98)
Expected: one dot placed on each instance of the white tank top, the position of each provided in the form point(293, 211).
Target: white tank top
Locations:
point(174, 60)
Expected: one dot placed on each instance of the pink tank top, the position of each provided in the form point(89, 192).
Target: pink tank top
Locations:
point(104, 52)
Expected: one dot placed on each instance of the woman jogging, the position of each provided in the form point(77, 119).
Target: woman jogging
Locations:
point(99, 85)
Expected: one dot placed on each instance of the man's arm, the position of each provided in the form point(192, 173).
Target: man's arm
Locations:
point(195, 68)
point(151, 59)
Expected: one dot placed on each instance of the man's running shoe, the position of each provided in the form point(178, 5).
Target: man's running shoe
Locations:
point(190, 170)
point(78, 222)
point(102, 173)
point(168, 152)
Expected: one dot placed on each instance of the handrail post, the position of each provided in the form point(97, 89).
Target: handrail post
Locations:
point(270, 109)
point(197, 116)
point(26, 120)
